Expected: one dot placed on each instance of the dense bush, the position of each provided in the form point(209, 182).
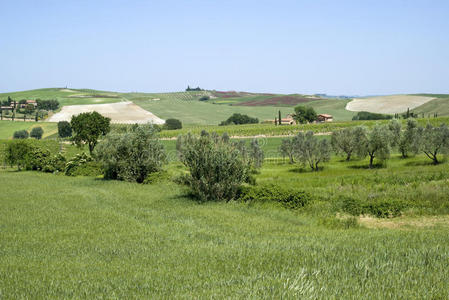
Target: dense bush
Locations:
point(237, 119)
point(20, 134)
point(37, 133)
point(204, 98)
point(287, 197)
point(131, 156)
point(379, 208)
point(17, 152)
point(217, 167)
point(83, 165)
point(172, 124)
point(64, 129)
point(364, 115)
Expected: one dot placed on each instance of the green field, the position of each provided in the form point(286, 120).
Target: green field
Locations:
point(64, 237)
point(439, 106)
point(65, 96)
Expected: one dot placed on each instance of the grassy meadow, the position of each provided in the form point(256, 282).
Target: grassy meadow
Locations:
point(65, 237)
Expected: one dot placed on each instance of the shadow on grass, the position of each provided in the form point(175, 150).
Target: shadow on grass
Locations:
point(366, 167)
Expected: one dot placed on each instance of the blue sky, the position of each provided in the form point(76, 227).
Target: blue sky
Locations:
point(335, 47)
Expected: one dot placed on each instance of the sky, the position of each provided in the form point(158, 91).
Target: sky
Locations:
point(335, 47)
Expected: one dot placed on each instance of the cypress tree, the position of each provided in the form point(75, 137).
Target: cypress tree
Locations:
point(280, 118)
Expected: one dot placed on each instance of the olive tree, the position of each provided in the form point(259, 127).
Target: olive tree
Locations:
point(286, 149)
point(432, 141)
point(217, 168)
point(88, 127)
point(374, 143)
point(309, 150)
point(395, 132)
point(407, 142)
point(131, 156)
point(345, 141)
point(256, 154)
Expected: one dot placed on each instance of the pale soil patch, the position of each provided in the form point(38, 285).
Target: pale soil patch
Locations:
point(387, 104)
point(405, 222)
point(121, 112)
point(67, 90)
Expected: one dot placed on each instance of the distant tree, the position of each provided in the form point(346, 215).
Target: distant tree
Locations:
point(256, 154)
point(172, 124)
point(304, 114)
point(432, 141)
point(309, 150)
point(408, 138)
point(20, 134)
point(37, 133)
point(280, 118)
point(204, 98)
point(64, 129)
point(364, 115)
point(374, 143)
point(238, 119)
point(88, 127)
point(346, 140)
point(23, 101)
point(286, 149)
point(51, 104)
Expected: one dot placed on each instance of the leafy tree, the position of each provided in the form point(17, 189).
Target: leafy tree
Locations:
point(29, 109)
point(286, 149)
point(408, 138)
point(37, 133)
point(131, 156)
point(216, 168)
point(374, 143)
point(304, 114)
point(309, 150)
point(346, 141)
point(204, 98)
point(17, 152)
point(88, 127)
point(238, 119)
point(172, 124)
point(433, 141)
point(20, 134)
point(47, 104)
point(64, 129)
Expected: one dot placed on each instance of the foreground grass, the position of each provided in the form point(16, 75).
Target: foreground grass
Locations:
point(63, 237)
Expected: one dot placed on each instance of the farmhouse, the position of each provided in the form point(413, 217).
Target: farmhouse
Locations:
point(325, 118)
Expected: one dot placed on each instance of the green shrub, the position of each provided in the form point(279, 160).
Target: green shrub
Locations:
point(376, 208)
point(287, 197)
point(172, 124)
point(37, 158)
point(16, 153)
point(237, 119)
point(131, 156)
point(55, 163)
point(217, 167)
point(20, 134)
point(37, 133)
point(82, 165)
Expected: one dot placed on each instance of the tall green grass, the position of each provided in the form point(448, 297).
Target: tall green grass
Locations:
point(64, 237)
